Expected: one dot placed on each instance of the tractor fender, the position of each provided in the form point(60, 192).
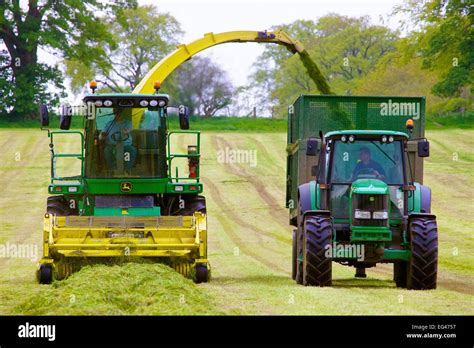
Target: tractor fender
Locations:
point(422, 199)
point(307, 196)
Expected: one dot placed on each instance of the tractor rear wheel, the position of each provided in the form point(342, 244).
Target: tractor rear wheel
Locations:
point(317, 268)
point(400, 274)
point(423, 264)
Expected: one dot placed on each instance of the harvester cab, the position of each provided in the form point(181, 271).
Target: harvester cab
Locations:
point(130, 188)
point(358, 192)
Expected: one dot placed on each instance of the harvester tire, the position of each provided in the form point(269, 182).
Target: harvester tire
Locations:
point(317, 268)
point(400, 273)
point(194, 204)
point(294, 256)
point(45, 274)
point(57, 205)
point(202, 273)
point(423, 264)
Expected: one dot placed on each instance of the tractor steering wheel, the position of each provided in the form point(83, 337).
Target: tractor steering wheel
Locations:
point(119, 136)
point(370, 173)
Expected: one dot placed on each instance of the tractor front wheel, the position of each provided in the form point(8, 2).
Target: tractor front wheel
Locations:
point(45, 274)
point(423, 264)
point(203, 273)
point(317, 267)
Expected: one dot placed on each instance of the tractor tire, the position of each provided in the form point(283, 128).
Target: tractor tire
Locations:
point(45, 274)
point(317, 268)
point(202, 274)
point(423, 264)
point(194, 204)
point(57, 205)
point(294, 256)
point(400, 274)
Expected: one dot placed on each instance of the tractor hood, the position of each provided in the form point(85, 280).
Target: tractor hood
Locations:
point(369, 186)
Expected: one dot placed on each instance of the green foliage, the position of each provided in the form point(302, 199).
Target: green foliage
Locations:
point(70, 29)
point(141, 37)
point(446, 41)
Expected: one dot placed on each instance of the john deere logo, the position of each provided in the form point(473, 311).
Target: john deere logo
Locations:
point(126, 186)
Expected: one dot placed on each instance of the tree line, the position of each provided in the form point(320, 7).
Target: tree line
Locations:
point(117, 42)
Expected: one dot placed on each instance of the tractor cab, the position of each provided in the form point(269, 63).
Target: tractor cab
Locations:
point(366, 175)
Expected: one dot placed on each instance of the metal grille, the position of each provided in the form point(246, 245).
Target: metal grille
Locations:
point(364, 202)
point(328, 113)
point(125, 221)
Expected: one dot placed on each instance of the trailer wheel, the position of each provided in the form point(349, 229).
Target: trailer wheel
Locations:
point(294, 257)
point(317, 268)
point(45, 274)
point(423, 264)
point(400, 274)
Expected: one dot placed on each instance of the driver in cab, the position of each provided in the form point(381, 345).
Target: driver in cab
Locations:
point(367, 165)
point(118, 130)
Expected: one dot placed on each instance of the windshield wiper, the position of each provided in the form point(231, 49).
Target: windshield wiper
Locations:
point(386, 155)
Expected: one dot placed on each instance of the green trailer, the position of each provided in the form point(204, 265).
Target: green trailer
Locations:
point(355, 188)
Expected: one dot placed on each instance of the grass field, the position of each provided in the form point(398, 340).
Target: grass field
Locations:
point(249, 241)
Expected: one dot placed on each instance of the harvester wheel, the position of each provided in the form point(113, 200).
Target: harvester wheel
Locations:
point(423, 264)
point(45, 274)
point(57, 205)
point(294, 257)
point(194, 204)
point(317, 268)
point(202, 273)
point(400, 274)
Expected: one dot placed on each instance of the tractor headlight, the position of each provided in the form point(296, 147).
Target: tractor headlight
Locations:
point(362, 214)
point(178, 188)
point(144, 103)
point(351, 138)
point(343, 138)
point(380, 215)
point(108, 103)
point(162, 103)
point(384, 138)
point(390, 139)
point(98, 103)
point(153, 103)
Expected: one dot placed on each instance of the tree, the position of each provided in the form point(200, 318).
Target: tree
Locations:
point(203, 86)
point(344, 48)
point(69, 29)
point(445, 39)
point(142, 36)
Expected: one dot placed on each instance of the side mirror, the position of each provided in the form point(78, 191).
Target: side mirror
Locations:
point(44, 115)
point(183, 113)
point(423, 148)
point(312, 147)
point(66, 116)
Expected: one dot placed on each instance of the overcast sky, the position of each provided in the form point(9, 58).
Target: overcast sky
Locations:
point(198, 17)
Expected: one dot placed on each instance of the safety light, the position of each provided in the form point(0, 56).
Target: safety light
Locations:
point(157, 85)
point(93, 85)
point(144, 103)
point(410, 125)
point(153, 103)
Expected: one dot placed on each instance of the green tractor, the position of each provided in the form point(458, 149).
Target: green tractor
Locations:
point(355, 192)
point(128, 190)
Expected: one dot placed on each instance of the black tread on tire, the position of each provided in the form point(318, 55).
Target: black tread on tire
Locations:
point(423, 264)
point(57, 205)
point(400, 273)
point(317, 268)
point(194, 204)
